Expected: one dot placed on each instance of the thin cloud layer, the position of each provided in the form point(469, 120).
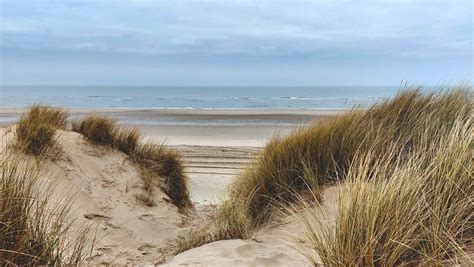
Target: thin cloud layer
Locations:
point(153, 39)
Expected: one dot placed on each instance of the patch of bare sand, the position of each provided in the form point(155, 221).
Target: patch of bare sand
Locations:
point(238, 253)
point(213, 168)
point(274, 245)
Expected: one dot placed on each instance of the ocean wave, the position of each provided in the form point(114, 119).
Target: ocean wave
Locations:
point(179, 102)
point(115, 98)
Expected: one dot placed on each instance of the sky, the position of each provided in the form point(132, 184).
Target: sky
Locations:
point(238, 43)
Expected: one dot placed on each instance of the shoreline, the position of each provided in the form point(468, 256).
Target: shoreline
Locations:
point(4, 110)
point(217, 127)
point(274, 116)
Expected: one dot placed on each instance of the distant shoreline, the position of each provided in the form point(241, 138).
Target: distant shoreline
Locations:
point(216, 127)
point(172, 110)
point(287, 115)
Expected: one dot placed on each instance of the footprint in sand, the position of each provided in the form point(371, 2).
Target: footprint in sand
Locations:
point(146, 248)
point(146, 217)
point(96, 217)
point(104, 249)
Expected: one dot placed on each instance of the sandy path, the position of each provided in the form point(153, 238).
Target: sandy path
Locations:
point(211, 169)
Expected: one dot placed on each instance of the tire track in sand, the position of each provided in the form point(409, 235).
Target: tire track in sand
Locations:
point(211, 169)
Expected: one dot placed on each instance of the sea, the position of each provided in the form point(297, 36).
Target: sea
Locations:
point(197, 97)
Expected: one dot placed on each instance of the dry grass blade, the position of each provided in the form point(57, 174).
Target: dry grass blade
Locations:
point(127, 139)
point(401, 209)
point(98, 129)
point(36, 129)
point(166, 163)
point(30, 232)
point(230, 222)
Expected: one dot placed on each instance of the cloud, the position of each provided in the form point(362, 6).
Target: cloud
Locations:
point(235, 31)
point(219, 27)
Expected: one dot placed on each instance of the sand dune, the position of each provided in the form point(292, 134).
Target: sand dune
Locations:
point(106, 183)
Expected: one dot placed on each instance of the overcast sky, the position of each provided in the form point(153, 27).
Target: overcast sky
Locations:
point(218, 42)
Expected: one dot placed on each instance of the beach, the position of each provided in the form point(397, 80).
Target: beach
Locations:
point(236, 133)
point(211, 127)
point(216, 144)
point(207, 186)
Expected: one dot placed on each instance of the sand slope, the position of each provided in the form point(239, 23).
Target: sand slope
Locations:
point(274, 245)
point(105, 183)
point(238, 253)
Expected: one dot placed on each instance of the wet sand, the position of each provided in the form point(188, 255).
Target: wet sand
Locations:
point(224, 127)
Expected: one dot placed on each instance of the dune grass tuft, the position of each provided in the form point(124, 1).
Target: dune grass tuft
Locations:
point(127, 139)
point(327, 149)
point(160, 166)
point(30, 232)
point(97, 129)
point(35, 132)
point(103, 130)
point(230, 222)
point(397, 209)
point(166, 163)
point(46, 114)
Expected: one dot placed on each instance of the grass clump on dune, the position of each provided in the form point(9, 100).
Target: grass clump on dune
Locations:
point(395, 210)
point(35, 132)
point(103, 130)
point(30, 232)
point(229, 222)
point(127, 139)
point(322, 153)
point(160, 166)
point(97, 129)
point(166, 163)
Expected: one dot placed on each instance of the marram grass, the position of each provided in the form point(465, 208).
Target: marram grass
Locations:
point(327, 149)
point(33, 229)
point(397, 209)
point(160, 166)
point(36, 129)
